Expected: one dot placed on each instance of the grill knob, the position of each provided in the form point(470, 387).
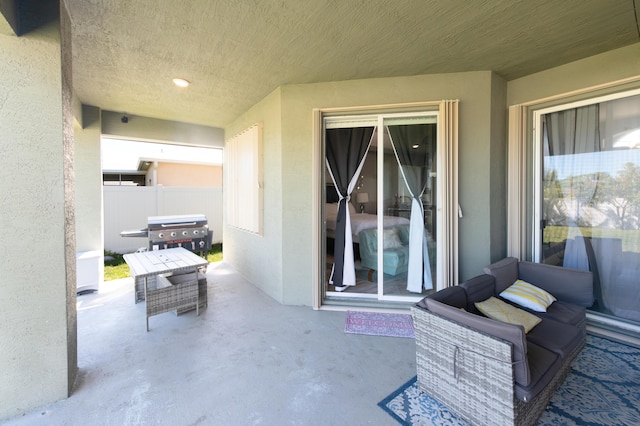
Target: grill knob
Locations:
point(173, 234)
point(201, 243)
point(196, 231)
point(185, 233)
point(161, 235)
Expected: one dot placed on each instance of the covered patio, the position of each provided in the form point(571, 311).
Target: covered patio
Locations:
point(247, 359)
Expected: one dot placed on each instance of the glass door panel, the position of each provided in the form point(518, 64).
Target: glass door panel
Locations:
point(395, 187)
point(407, 238)
point(590, 199)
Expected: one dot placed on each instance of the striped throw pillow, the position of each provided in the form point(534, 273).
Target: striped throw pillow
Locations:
point(528, 295)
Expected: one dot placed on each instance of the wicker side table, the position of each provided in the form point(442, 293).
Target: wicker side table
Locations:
point(164, 296)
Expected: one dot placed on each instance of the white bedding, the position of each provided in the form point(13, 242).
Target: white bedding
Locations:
point(359, 221)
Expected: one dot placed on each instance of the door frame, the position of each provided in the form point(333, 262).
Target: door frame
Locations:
point(448, 121)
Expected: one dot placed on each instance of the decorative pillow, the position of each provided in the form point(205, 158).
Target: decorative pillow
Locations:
point(501, 311)
point(528, 295)
point(390, 239)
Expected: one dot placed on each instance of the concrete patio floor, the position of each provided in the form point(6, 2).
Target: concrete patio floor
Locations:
point(246, 360)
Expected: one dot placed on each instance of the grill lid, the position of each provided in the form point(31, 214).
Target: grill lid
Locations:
point(187, 220)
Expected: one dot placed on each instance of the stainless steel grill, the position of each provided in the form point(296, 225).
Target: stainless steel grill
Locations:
point(163, 232)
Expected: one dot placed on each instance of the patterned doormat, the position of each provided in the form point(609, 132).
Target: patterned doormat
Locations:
point(379, 324)
point(603, 388)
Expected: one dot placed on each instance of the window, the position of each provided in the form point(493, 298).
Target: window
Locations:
point(583, 209)
point(587, 196)
point(243, 165)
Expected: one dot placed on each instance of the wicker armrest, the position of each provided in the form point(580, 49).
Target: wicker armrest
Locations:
point(470, 372)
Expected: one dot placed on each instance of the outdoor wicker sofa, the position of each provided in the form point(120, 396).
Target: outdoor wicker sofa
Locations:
point(491, 372)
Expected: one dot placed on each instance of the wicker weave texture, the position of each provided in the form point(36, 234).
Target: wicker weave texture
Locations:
point(203, 298)
point(472, 373)
point(468, 371)
point(139, 287)
point(167, 297)
point(151, 282)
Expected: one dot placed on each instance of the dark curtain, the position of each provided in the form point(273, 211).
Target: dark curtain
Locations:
point(346, 150)
point(414, 146)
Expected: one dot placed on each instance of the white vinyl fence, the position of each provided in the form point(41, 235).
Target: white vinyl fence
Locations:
point(128, 207)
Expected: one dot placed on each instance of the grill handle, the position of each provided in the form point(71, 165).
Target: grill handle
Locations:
point(178, 224)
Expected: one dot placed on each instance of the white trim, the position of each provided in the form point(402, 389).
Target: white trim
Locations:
point(622, 325)
point(516, 182)
point(445, 112)
point(352, 295)
point(589, 101)
point(536, 241)
point(317, 210)
point(448, 203)
point(613, 85)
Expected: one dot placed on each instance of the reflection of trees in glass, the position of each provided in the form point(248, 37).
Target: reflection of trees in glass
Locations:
point(618, 196)
point(625, 195)
point(555, 209)
point(586, 191)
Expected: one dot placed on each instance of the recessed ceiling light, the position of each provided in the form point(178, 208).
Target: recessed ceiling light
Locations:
point(181, 82)
point(416, 146)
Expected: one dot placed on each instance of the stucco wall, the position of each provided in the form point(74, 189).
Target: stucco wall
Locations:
point(152, 129)
point(88, 181)
point(498, 182)
point(37, 359)
point(289, 178)
point(260, 257)
point(597, 70)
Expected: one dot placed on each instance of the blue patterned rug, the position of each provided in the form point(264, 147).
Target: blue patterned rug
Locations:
point(603, 388)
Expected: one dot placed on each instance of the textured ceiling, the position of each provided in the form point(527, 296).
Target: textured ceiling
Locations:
point(235, 52)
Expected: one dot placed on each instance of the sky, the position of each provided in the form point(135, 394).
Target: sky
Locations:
point(611, 162)
point(123, 155)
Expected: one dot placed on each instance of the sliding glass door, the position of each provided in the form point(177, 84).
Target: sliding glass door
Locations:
point(389, 210)
point(589, 197)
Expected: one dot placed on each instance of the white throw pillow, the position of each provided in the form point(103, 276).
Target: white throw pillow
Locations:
point(528, 295)
point(390, 239)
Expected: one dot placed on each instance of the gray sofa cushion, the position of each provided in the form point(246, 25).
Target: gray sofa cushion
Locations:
point(478, 289)
point(563, 312)
point(453, 296)
point(505, 272)
point(558, 337)
point(543, 365)
point(511, 333)
point(569, 285)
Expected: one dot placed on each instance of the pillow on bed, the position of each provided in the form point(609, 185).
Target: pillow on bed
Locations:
point(390, 239)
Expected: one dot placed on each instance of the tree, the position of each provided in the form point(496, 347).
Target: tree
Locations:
point(627, 192)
